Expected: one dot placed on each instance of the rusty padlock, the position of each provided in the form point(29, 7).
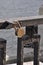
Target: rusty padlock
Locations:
point(19, 31)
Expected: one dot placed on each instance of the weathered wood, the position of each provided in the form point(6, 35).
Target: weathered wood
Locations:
point(27, 57)
point(36, 53)
point(31, 30)
point(19, 52)
point(6, 25)
point(36, 49)
point(25, 21)
point(2, 51)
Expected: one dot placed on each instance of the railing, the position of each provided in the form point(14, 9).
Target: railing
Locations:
point(24, 21)
point(34, 38)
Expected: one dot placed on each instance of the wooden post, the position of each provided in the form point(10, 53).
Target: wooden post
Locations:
point(30, 30)
point(2, 51)
point(36, 49)
point(36, 53)
point(19, 52)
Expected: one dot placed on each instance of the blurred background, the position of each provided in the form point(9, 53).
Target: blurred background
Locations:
point(19, 8)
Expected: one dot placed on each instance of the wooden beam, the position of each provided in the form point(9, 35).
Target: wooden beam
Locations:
point(25, 21)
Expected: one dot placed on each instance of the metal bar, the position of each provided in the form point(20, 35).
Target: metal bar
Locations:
point(36, 53)
point(19, 52)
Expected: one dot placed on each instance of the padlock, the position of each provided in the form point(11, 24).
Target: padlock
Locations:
point(20, 32)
